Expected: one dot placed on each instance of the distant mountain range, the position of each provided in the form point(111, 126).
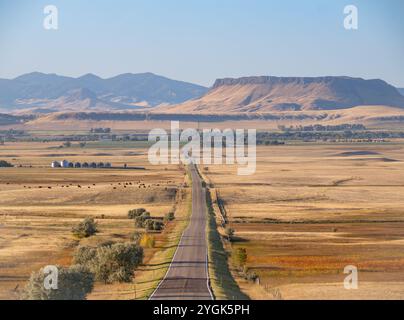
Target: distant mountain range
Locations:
point(281, 94)
point(50, 92)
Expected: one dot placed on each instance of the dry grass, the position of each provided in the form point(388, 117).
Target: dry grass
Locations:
point(309, 211)
point(39, 205)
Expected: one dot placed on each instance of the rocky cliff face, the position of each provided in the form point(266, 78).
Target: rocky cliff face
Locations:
point(267, 94)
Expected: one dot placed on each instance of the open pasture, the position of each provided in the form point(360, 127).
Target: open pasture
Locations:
point(310, 211)
point(39, 204)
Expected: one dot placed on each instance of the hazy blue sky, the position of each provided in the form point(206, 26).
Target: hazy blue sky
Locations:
point(201, 40)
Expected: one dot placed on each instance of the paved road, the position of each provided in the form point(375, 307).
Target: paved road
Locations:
point(187, 276)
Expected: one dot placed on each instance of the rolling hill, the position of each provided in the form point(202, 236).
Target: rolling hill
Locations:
point(50, 101)
point(50, 92)
point(281, 94)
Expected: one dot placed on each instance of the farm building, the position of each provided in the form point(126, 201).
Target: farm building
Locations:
point(77, 165)
point(64, 164)
point(55, 164)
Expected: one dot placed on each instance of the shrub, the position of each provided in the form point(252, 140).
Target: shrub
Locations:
point(229, 233)
point(149, 225)
point(158, 225)
point(240, 257)
point(169, 217)
point(74, 283)
point(140, 221)
point(116, 262)
point(147, 241)
point(85, 229)
point(132, 214)
point(154, 225)
point(5, 164)
point(252, 277)
point(83, 255)
point(137, 236)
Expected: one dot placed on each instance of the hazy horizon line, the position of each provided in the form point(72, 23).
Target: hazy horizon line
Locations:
point(191, 82)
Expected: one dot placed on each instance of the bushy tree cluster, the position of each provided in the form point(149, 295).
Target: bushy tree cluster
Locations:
point(85, 228)
point(132, 214)
point(5, 164)
point(170, 216)
point(140, 221)
point(74, 283)
point(110, 263)
point(153, 225)
point(143, 219)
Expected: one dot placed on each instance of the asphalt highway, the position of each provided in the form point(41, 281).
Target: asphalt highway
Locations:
point(187, 277)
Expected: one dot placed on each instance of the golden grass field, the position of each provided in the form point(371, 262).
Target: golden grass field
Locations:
point(310, 210)
point(39, 205)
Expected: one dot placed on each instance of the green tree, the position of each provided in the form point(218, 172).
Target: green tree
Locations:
point(132, 214)
point(5, 164)
point(154, 225)
point(140, 221)
point(170, 216)
point(83, 255)
point(111, 263)
point(74, 283)
point(85, 228)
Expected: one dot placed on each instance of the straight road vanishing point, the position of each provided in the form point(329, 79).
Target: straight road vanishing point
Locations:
point(187, 277)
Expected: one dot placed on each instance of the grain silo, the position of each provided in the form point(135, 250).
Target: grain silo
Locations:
point(64, 164)
point(55, 164)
